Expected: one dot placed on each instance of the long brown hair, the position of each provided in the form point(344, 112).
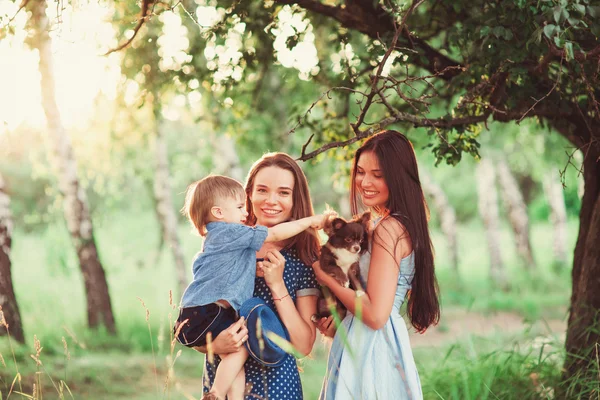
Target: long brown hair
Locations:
point(307, 242)
point(406, 203)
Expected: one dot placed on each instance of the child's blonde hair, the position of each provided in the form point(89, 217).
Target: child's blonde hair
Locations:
point(202, 195)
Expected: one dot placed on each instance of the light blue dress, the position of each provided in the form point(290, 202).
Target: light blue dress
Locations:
point(374, 364)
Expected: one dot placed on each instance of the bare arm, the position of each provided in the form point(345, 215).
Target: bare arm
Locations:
point(287, 230)
point(390, 245)
point(295, 317)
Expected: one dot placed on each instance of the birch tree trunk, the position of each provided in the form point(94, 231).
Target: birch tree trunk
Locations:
point(10, 318)
point(488, 209)
point(517, 213)
point(558, 216)
point(164, 202)
point(227, 162)
point(446, 214)
point(76, 210)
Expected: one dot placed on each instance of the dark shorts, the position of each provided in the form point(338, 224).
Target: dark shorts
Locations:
point(199, 320)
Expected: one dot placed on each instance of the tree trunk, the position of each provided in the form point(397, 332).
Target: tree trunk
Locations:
point(558, 216)
point(344, 204)
point(488, 209)
point(446, 214)
point(79, 223)
point(517, 213)
point(583, 330)
point(10, 318)
point(164, 202)
point(228, 161)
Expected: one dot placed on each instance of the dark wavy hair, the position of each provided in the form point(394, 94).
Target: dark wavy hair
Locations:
point(307, 242)
point(407, 205)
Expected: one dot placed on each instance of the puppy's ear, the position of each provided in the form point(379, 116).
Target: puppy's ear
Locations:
point(365, 220)
point(338, 224)
point(328, 225)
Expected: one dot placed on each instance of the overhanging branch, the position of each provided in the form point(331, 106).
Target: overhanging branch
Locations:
point(377, 23)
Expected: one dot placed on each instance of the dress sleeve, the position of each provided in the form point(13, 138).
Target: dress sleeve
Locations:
point(231, 237)
point(307, 281)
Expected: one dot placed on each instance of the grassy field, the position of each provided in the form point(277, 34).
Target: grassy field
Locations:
point(135, 363)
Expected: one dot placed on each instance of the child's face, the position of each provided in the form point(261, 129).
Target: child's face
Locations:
point(233, 210)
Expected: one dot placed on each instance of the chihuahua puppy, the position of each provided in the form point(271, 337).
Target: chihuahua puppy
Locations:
point(340, 255)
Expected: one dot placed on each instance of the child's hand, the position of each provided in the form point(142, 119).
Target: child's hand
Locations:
point(318, 221)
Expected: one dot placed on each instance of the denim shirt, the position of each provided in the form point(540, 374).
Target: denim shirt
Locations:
point(226, 267)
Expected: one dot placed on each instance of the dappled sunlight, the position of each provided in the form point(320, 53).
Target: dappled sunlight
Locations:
point(208, 87)
point(81, 71)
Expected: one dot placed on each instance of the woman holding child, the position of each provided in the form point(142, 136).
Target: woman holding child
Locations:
point(374, 360)
point(277, 192)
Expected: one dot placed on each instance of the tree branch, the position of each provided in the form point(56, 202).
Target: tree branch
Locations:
point(376, 22)
point(22, 6)
point(144, 16)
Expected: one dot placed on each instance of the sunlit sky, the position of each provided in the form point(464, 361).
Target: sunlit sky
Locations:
point(82, 71)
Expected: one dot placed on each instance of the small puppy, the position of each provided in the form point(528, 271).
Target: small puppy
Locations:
point(340, 255)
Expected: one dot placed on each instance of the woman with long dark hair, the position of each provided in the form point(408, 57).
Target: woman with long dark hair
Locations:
point(370, 356)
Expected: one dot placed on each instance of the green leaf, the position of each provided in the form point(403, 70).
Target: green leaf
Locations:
point(569, 51)
point(558, 41)
point(498, 31)
point(560, 14)
point(557, 14)
point(594, 11)
point(485, 30)
point(508, 35)
point(580, 9)
point(537, 35)
point(573, 21)
point(549, 30)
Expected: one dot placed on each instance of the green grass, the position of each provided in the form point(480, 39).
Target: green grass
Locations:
point(502, 366)
point(50, 294)
point(542, 292)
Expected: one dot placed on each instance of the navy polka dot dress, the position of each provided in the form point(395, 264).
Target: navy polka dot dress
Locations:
point(283, 382)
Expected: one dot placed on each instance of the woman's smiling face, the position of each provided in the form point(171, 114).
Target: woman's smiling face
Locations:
point(272, 196)
point(370, 182)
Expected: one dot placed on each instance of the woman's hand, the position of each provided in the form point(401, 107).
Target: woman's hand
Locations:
point(231, 339)
point(326, 326)
point(272, 269)
point(319, 274)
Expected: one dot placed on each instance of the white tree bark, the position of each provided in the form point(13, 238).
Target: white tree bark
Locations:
point(517, 213)
point(76, 209)
point(558, 216)
point(488, 209)
point(344, 202)
point(164, 202)
point(446, 214)
point(226, 160)
point(10, 317)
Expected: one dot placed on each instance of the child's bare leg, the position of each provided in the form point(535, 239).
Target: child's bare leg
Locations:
point(238, 387)
point(230, 366)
